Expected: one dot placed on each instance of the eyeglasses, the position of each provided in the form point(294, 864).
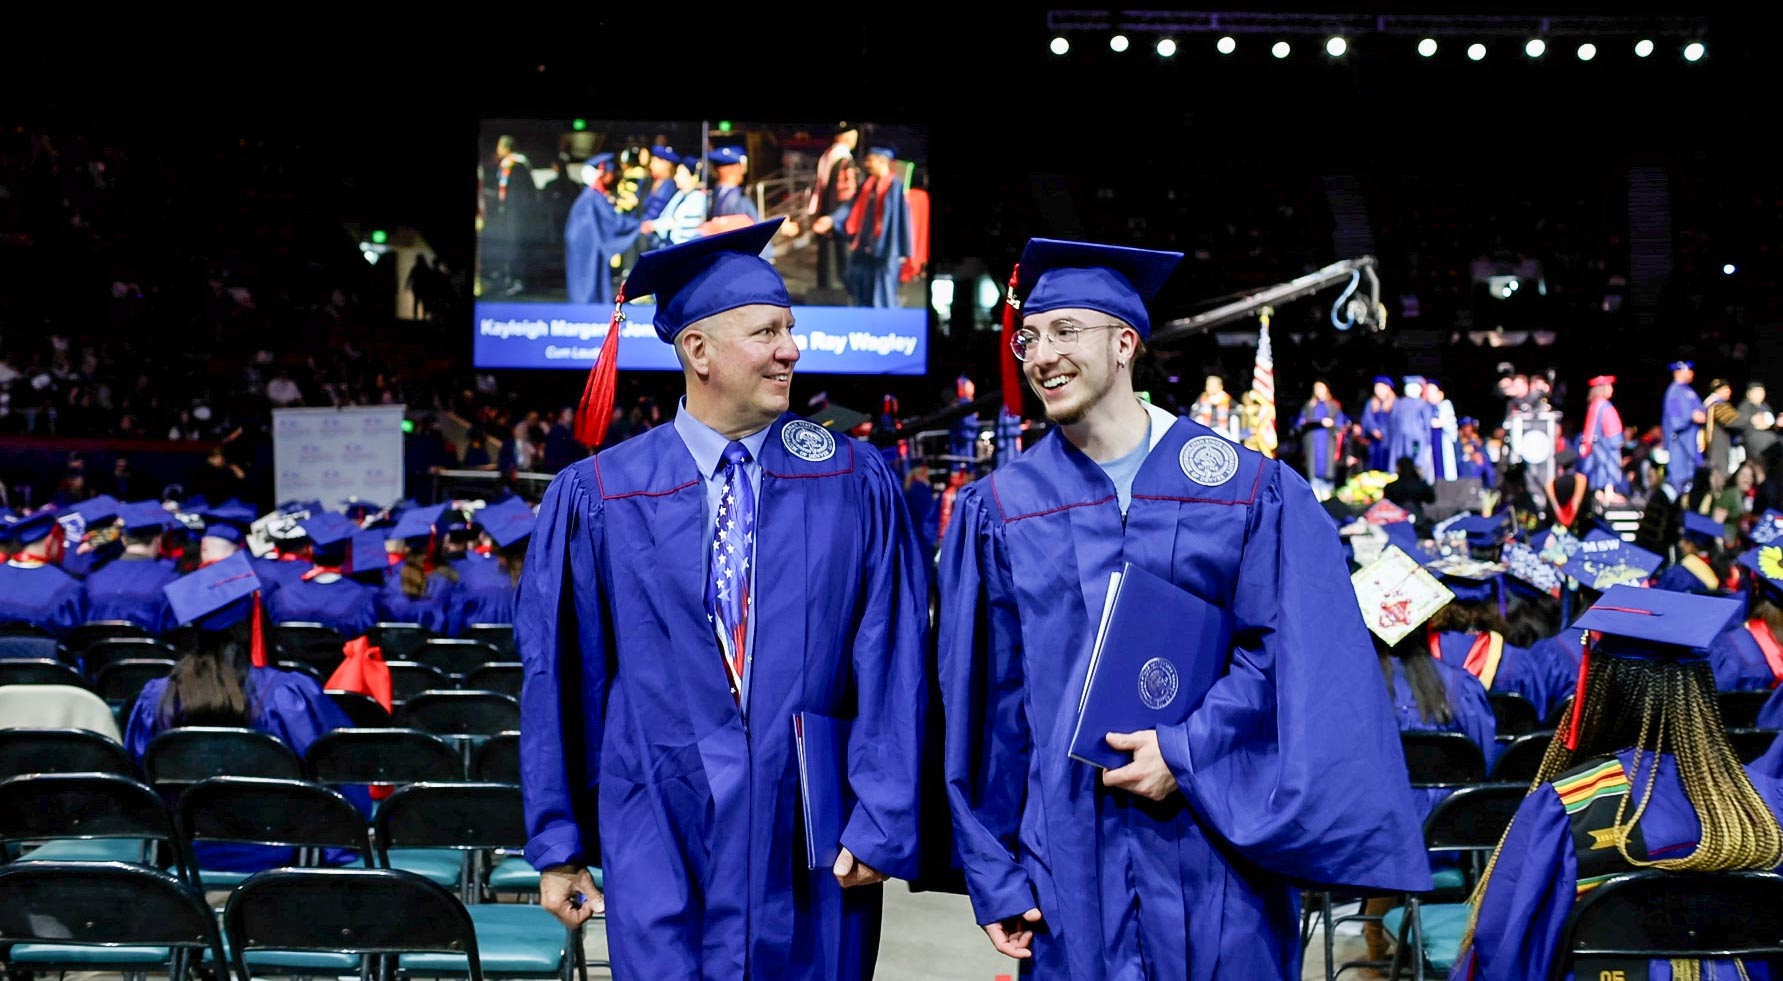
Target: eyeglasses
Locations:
point(1026, 343)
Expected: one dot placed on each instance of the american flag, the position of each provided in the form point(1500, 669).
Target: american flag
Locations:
point(733, 547)
point(1263, 383)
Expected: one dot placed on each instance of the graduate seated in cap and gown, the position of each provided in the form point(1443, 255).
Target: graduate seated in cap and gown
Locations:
point(1472, 635)
point(224, 679)
point(324, 594)
point(1640, 765)
point(1186, 862)
point(33, 589)
point(290, 555)
point(422, 588)
point(1749, 655)
point(1700, 568)
point(876, 226)
point(1377, 425)
point(129, 587)
point(89, 533)
point(486, 588)
point(689, 590)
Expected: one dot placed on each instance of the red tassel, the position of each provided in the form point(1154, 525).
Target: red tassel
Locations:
point(1434, 639)
point(1578, 709)
point(1013, 379)
point(257, 645)
point(595, 412)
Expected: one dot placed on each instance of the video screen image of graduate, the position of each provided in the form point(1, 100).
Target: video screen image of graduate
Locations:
point(566, 206)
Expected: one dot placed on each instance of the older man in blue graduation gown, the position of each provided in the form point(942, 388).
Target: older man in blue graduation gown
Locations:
point(664, 664)
point(1182, 864)
point(32, 589)
point(1682, 418)
point(129, 588)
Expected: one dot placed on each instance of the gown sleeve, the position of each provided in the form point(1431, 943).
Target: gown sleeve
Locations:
point(1523, 913)
point(144, 723)
point(561, 630)
point(889, 653)
point(988, 741)
point(1258, 760)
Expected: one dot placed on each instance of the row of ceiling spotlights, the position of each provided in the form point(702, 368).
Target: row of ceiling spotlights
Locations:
point(1337, 47)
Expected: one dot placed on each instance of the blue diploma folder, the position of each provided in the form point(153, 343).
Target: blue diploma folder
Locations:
point(1158, 650)
point(822, 745)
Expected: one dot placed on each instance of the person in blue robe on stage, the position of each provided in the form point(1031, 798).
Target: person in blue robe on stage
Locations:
point(33, 589)
point(1377, 425)
point(1321, 425)
point(324, 594)
point(1682, 418)
point(1748, 656)
point(729, 198)
point(1700, 566)
point(595, 233)
point(224, 680)
point(1186, 862)
point(1408, 429)
point(687, 592)
point(129, 588)
point(486, 588)
point(422, 588)
point(876, 226)
point(1602, 438)
point(663, 163)
point(1642, 769)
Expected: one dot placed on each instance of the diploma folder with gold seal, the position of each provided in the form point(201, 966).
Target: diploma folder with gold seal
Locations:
point(1158, 650)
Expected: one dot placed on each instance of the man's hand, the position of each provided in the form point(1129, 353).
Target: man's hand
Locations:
point(1148, 775)
point(558, 886)
point(1013, 937)
point(1698, 417)
point(851, 871)
point(823, 224)
point(648, 228)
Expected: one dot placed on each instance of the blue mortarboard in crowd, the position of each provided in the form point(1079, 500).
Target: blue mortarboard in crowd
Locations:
point(1404, 536)
point(293, 507)
point(507, 522)
point(1657, 623)
point(1703, 530)
point(329, 533)
point(418, 523)
point(667, 153)
point(1766, 565)
point(888, 152)
point(1481, 532)
point(87, 515)
point(228, 521)
point(25, 531)
point(729, 154)
point(1109, 279)
point(216, 596)
point(145, 516)
point(193, 505)
point(1680, 365)
point(1602, 563)
point(366, 553)
point(1768, 528)
point(708, 276)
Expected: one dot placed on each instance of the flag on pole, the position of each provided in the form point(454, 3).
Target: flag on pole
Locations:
point(1260, 411)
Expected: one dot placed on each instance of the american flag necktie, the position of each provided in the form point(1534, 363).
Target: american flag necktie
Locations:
point(733, 546)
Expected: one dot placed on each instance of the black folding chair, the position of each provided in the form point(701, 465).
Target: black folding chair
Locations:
point(456, 656)
point(498, 760)
point(484, 820)
point(103, 916)
point(1661, 915)
point(89, 633)
point(276, 813)
point(1520, 761)
point(1515, 715)
point(106, 651)
point(30, 647)
point(87, 817)
point(500, 635)
point(25, 751)
point(461, 713)
point(398, 641)
point(120, 682)
point(408, 679)
point(1750, 744)
point(503, 677)
point(309, 643)
point(392, 756)
point(1739, 709)
point(363, 710)
point(1471, 821)
point(363, 912)
point(181, 757)
point(1442, 759)
point(1558, 714)
point(39, 671)
point(19, 628)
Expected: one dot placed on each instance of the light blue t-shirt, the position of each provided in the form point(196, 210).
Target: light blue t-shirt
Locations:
point(1123, 469)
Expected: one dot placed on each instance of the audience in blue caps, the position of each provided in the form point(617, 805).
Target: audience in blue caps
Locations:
point(422, 587)
point(485, 591)
point(33, 588)
point(130, 587)
point(323, 593)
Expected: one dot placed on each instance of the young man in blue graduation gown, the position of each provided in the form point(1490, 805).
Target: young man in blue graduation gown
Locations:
point(33, 589)
point(1682, 419)
point(129, 587)
point(1182, 864)
point(686, 592)
point(324, 594)
point(876, 226)
point(1645, 776)
point(595, 233)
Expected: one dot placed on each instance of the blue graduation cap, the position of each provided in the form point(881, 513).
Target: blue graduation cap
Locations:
point(418, 523)
point(1603, 563)
point(145, 515)
point(729, 154)
point(507, 522)
point(888, 152)
point(1383, 380)
point(91, 513)
point(1703, 530)
point(1481, 532)
point(1657, 623)
point(1525, 566)
point(293, 507)
point(667, 153)
point(37, 527)
point(600, 160)
point(1680, 365)
point(1768, 528)
point(366, 553)
point(1404, 536)
point(1766, 565)
point(214, 597)
point(329, 533)
point(1108, 279)
point(228, 522)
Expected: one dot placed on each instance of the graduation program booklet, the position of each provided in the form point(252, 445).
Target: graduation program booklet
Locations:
point(1158, 649)
point(821, 744)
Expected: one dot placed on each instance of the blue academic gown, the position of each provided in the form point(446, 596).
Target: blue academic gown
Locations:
point(1470, 714)
point(287, 705)
point(1739, 665)
point(1602, 466)
point(1523, 914)
point(1408, 434)
point(349, 608)
point(658, 199)
point(280, 572)
point(130, 589)
point(1376, 419)
point(627, 711)
point(1540, 674)
point(43, 596)
point(734, 201)
point(875, 257)
point(485, 594)
point(1681, 434)
point(593, 235)
point(432, 609)
point(1680, 580)
point(1289, 772)
point(1320, 443)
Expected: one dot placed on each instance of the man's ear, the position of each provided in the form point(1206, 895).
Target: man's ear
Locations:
point(694, 348)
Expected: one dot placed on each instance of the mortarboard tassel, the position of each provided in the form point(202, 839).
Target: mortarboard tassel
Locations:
point(257, 636)
point(1012, 372)
point(595, 413)
point(1578, 709)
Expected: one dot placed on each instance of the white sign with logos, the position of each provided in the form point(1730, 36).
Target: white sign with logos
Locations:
point(333, 454)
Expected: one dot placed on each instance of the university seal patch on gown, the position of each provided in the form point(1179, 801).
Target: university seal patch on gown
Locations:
point(808, 441)
point(1208, 460)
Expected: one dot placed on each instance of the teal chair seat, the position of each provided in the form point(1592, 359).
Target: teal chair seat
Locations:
point(1442, 925)
point(96, 957)
point(511, 939)
point(515, 874)
point(1447, 879)
point(129, 850)
point(221, 878)
point(295, 961)
point(441, 865)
